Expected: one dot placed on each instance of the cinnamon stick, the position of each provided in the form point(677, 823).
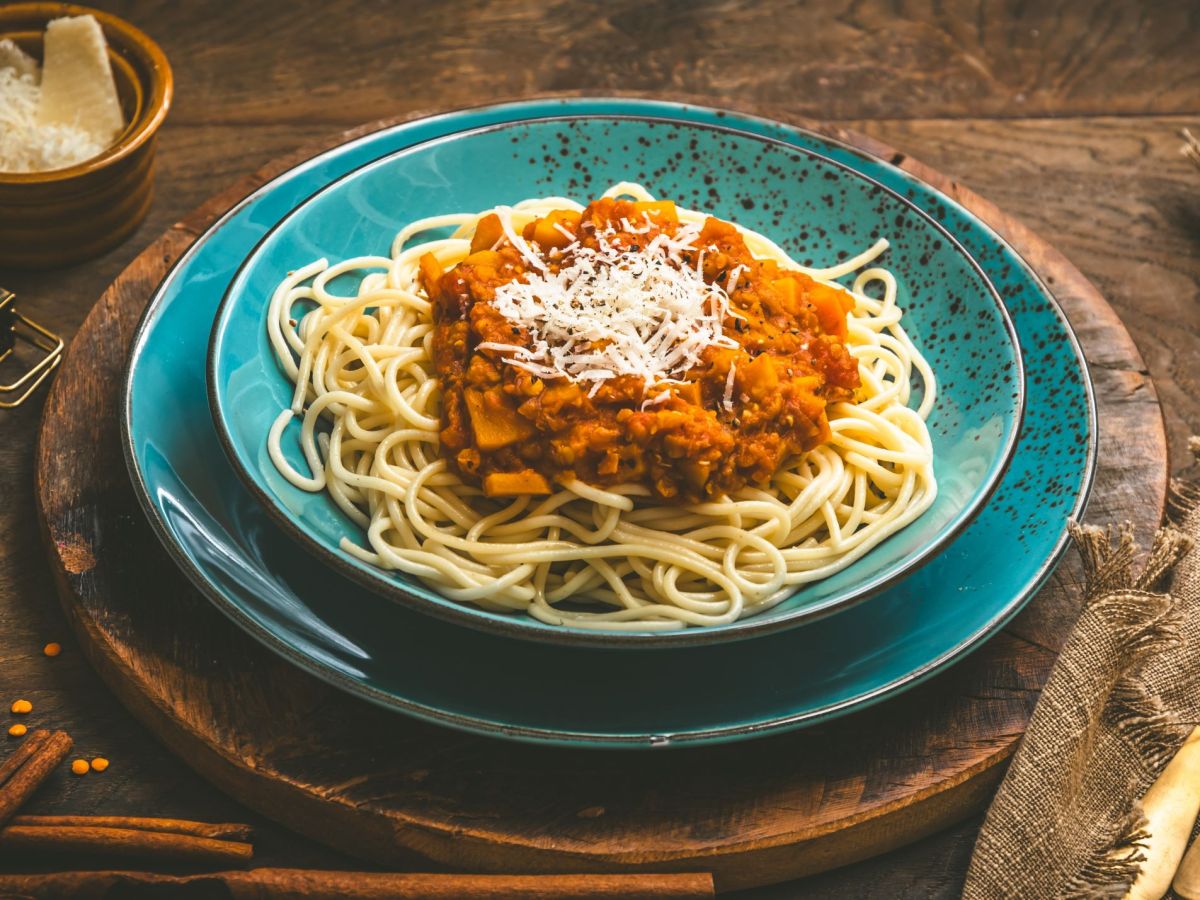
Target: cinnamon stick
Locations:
point(218, 830)
point(27, 767)
point(22, 752)
point(122, 836)
point(307, 884)
point(122, 842)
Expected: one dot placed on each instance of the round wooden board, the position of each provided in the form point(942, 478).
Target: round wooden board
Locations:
point(384, 787)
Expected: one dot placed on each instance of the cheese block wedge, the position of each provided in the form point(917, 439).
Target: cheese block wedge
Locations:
point(77, 80)
point(13, 57)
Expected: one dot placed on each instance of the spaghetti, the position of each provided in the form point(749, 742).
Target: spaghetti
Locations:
point(615, 555)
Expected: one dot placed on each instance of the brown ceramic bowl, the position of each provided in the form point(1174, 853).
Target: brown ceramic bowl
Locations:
point(72, 214)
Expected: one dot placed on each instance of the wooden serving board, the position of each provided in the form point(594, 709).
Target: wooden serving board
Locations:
point(390, 789)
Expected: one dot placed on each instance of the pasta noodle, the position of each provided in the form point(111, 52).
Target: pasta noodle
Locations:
point(611, 558)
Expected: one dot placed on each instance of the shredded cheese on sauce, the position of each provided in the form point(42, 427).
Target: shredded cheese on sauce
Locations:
point(610, 311)
point(727, 402)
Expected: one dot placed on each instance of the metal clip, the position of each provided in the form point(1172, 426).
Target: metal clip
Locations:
point(31, 333)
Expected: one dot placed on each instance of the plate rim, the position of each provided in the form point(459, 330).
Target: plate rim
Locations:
point(383, 582)
point(561, 737)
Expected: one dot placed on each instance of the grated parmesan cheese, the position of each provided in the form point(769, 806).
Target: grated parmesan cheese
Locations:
point(609, 312)
point(13, 57)
point(26, 146)
point(64, 112)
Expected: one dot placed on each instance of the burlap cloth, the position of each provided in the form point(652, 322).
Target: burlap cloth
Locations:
point(1125, 691)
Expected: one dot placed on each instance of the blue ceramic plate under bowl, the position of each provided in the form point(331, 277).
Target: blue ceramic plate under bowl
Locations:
point(233, 551)
point(817, 209)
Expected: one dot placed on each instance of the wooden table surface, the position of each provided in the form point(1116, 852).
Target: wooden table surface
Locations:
point(1065, 115)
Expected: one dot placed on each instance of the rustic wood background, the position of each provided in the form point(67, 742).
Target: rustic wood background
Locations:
point(1065, 115)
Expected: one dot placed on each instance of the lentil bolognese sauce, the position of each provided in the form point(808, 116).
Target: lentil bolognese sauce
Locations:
point(691, 409)
point(625, 415)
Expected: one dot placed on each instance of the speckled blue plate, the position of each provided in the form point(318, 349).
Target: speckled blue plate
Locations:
point(235, 553)
point(819, 210)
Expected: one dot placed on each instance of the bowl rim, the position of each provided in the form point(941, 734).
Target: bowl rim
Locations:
point(129, 41)
point(382, 583)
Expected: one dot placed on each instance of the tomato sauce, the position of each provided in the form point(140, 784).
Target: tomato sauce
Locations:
point(514, 433)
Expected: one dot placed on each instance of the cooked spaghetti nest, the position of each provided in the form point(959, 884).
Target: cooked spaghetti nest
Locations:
point(615, 558)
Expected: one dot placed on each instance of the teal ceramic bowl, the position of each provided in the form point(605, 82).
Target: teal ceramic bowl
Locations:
point(238, 556)
point(819, 210)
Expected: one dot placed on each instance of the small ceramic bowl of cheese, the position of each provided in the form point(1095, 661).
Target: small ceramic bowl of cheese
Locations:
point(82, 95)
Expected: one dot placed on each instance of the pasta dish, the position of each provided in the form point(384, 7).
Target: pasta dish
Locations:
point(625, 415)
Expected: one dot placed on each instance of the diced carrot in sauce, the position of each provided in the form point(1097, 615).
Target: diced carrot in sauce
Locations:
point(788, 290)
point(759, 379)
point(555, 230)
point(688, 392)
point(485, 258)
point(558, 228)
point(487, 232)
point(515, 484)
point(431, 273)
point(661, 211)
point(830, 309)
point(493, 422)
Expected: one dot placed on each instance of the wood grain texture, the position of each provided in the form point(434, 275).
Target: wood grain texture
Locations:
point(813, 800)
point(832, 60)
point(1087, 155)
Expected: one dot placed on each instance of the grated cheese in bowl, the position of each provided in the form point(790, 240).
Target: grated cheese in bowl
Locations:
point(62, 115)
point(26, 146)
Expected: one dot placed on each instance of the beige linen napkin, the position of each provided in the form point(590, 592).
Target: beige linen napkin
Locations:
point(1125, 691)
